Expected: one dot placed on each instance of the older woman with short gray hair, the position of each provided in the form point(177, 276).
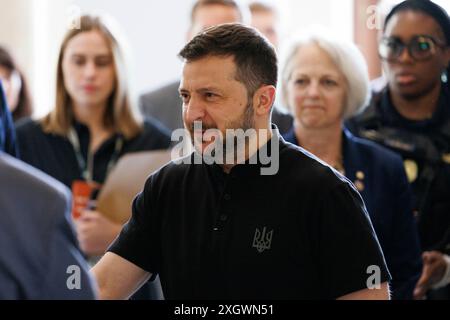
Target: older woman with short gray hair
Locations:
point(324, 82)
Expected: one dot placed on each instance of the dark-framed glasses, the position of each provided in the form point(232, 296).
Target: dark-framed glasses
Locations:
point(420, 48)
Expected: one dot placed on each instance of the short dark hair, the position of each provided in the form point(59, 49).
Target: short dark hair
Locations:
point(427, 7)
point(226, 3)
point(254, 56)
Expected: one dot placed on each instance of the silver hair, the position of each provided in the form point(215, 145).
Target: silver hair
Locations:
point(347, 58)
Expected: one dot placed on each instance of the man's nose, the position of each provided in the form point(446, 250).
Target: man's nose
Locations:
point(194, 110)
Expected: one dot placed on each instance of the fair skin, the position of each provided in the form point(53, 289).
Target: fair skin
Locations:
point(212, 95)
point(117, 278)
point(316, 93)
point(11, 86)
point(211, 15)
point(415, 85)
point(89, 77)
point(266, 23)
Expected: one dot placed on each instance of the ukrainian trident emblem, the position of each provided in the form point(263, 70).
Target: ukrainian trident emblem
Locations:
point(262, 240)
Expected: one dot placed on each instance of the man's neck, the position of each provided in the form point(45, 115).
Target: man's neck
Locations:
point(417, 109)
point(324, 143)
point(252, 146)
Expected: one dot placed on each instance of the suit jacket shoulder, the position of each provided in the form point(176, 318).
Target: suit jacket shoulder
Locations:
point(35, 222)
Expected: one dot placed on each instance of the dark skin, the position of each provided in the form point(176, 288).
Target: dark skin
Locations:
point(415, 85)
point(415, 88)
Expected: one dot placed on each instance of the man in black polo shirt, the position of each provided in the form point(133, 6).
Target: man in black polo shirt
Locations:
point(288, 228)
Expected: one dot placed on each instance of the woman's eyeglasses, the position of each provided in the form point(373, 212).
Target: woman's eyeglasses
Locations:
point(420, 48)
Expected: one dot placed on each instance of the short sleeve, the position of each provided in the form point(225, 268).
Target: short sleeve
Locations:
point(138, 242)
point(350, 257)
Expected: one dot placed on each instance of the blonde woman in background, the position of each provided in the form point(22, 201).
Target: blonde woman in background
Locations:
point(93, 124)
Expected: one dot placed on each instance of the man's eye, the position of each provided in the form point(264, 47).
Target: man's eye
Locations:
point(210, 95)
point(184, 97)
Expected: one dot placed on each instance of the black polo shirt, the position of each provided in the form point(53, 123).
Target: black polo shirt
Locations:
point(300, 234)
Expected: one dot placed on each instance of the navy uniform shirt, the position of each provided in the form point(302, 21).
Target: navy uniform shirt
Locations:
point(379, 176)
point(425, 148)
point(56, 156)
point(302, 233)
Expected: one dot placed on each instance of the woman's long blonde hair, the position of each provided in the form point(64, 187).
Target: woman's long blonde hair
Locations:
point(121, 113)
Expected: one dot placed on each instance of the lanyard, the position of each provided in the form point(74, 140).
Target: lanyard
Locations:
point(87, 169)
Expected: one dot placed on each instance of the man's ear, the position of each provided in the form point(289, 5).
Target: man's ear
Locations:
point(263, 99)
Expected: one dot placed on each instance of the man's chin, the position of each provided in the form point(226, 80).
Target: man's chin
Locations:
point(201, 147)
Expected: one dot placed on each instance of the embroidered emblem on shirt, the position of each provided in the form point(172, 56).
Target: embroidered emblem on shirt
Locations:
point(262, 240)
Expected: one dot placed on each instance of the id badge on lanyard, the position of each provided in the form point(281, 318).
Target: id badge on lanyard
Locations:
point(84, 191)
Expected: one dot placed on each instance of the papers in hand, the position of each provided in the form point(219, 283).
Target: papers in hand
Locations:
point(126, 180)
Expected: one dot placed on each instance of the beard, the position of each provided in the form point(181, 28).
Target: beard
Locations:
point(243, 123)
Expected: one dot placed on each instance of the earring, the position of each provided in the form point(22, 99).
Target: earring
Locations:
point(444, 76)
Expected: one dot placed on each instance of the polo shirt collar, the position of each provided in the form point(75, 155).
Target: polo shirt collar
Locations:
point(252, 167)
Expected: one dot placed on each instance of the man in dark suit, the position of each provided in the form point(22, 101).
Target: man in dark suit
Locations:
point(164, 104)
point(39, 255)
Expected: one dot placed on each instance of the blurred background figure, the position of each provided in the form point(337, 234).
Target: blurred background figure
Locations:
point(411, 115)
point(40, 257)
point(325, 81)
point(93, 124)
point(164, 104)
point(7, 131)
point(15, 86)
point(265, 19)
point(39, 246)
